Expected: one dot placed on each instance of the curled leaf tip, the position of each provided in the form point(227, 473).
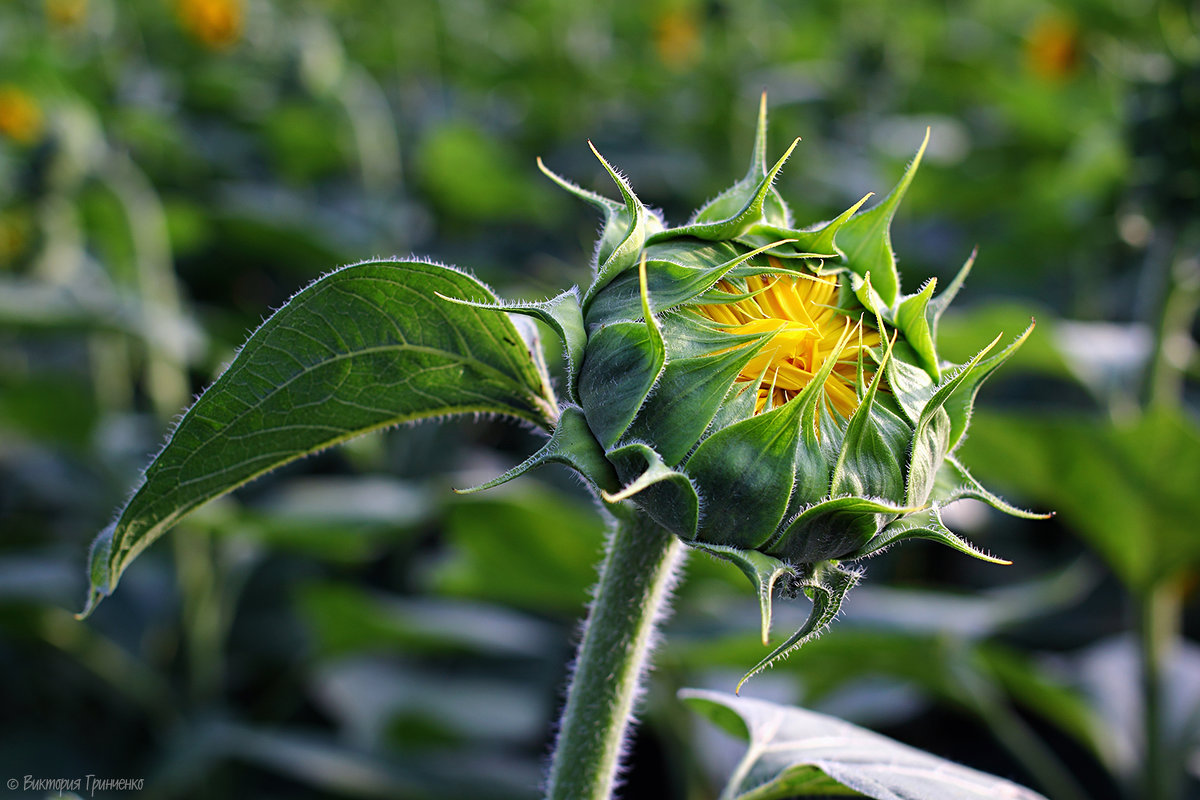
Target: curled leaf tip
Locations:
point(93, 600)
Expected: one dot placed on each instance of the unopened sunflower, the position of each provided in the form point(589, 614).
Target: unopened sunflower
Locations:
point(765, 390)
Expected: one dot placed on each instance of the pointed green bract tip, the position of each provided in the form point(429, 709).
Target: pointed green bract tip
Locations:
point(827, 584)
point(763, 571)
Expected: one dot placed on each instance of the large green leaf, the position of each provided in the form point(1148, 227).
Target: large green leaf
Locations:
point(1129, 489)
point(799, 753)
point(365, 347)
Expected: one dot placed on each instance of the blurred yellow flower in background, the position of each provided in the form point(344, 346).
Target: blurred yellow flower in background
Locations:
point(20, 116)
point(677, 38)
point(216, 23)
point(1052, 48)
point(66, 13)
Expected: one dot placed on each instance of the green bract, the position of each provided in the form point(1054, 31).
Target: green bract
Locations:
point(677, 408)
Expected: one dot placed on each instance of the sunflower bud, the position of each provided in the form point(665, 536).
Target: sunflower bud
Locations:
point(763, 390)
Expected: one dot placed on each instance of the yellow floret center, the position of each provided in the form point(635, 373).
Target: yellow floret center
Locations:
point(808, 331)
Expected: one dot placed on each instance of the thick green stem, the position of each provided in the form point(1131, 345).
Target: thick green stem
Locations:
point(1159, 611)
point(633, 594)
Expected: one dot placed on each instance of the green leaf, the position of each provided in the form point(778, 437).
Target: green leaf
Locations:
point(622, 364)
point(962, 484)
point(742, 193)
point(876, 441)
point(677, 271)
point(912, 387)
point(816, 241)
point(1128, 489)
point(562, 313)
point(866, 239)
point(618, 217)
point(938, 305)
point(871, 456)
point(798, 753)
point(821, 436)
point(960, 333)
point(739, 404)
point(687, 335)
point(363, 348)
point(930, 445)
point(932, 438)
point(960, 404)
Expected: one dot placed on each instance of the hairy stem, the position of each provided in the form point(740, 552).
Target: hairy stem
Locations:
point(632, 596)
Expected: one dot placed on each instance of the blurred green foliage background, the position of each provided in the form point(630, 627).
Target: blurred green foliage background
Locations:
point(170, 171)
